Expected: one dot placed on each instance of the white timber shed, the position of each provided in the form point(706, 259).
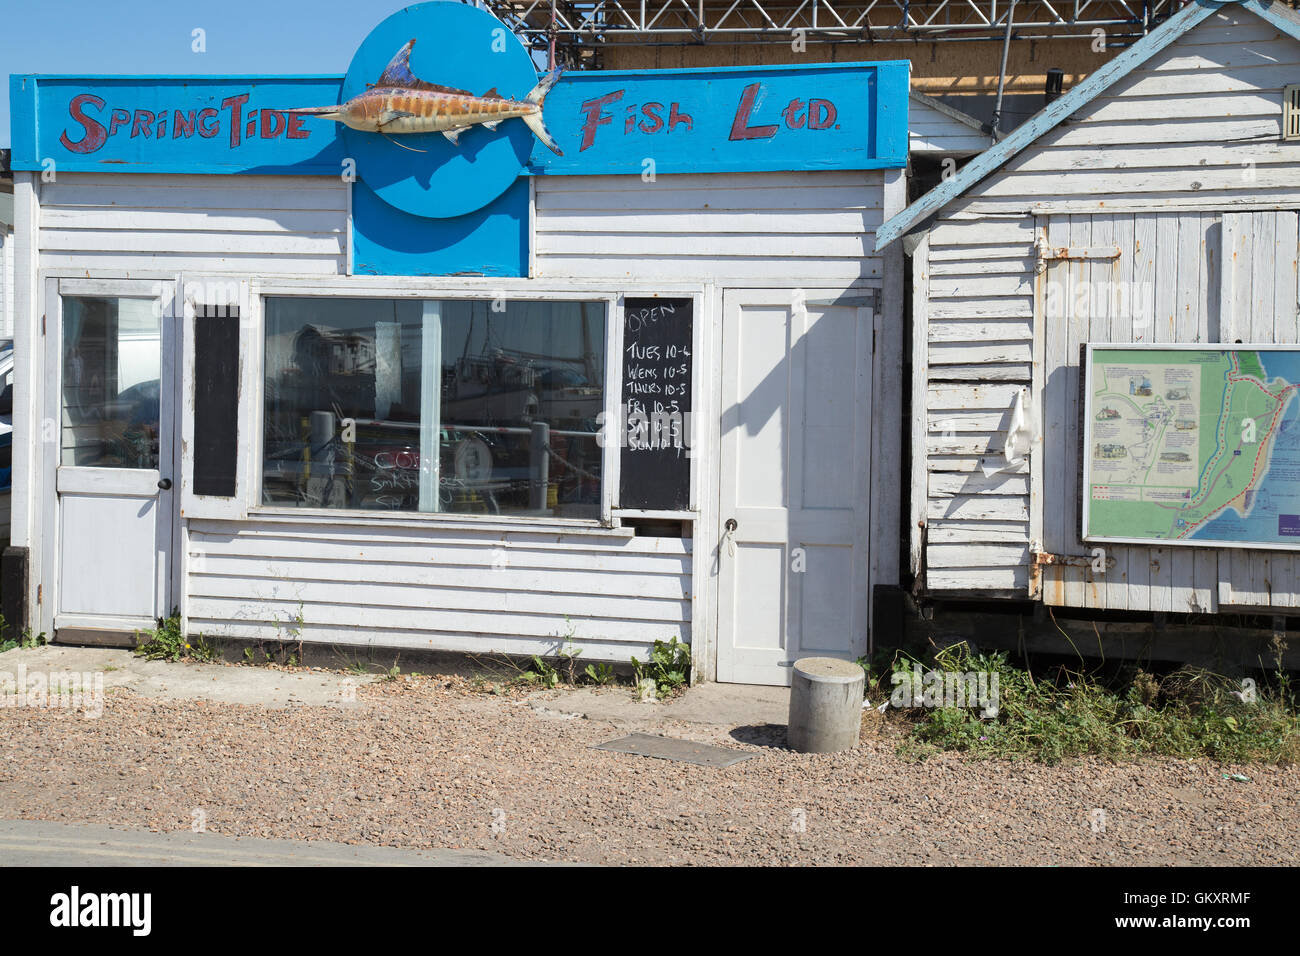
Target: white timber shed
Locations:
point(260, 394)
point(1168, 184)
point(936, 130)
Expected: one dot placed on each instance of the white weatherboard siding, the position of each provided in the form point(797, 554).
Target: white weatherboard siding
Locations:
point(936, 130)
point(484, 591)
point(1180, 166)
point(788, 229)
point(452, 585)
point(235, 224)
point(979, 347)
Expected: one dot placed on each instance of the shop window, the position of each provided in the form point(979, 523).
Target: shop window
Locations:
point(460, 406)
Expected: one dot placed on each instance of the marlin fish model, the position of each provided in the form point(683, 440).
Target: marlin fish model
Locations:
point(400, 103)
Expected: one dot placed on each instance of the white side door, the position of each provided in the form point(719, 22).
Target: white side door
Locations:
point(110, 449)
point(794, 497)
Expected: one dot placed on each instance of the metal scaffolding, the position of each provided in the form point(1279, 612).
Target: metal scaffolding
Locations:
point(591, 24)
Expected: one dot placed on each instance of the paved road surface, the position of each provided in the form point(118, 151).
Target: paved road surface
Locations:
point(35, 843)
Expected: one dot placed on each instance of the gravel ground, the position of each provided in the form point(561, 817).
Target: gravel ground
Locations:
point(434, 762)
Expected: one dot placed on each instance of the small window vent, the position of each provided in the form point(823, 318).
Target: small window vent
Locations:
point(1291, 111)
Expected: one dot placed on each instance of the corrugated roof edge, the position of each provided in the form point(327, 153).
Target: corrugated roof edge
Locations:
point(994, 157)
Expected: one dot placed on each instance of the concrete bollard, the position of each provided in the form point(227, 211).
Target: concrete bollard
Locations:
point(825, 705)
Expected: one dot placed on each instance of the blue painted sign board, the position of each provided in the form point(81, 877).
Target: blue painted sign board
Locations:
point(827, 116)
point(162, 124)
point(740, 119)
point(425, 206)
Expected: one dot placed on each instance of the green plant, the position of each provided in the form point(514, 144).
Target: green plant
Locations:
point(541, 673)
point(669, 665)
point(27, 640)
point(599, 673)
point(569, 652)
point(1061, 713)
point(200, 650)
point(167, 642)
point(164, 642)
point(393, 673)
point(290, 632)
point(291, 626)
point(880, 669)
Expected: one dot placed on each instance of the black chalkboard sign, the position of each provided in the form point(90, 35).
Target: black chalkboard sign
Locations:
point(655, 465)
point(216, 403)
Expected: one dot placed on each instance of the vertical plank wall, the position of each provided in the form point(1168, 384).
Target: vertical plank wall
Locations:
point(1180, 166)
point(1197, 277)
point(1162, 287)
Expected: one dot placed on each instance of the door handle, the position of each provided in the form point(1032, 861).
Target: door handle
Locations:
point(165, 484)
point(730, 525)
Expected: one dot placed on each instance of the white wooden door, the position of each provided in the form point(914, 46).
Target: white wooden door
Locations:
point(794, 497)
point(110, 376)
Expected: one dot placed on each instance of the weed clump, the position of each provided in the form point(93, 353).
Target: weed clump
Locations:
point(1063, 712)
point(167, 642)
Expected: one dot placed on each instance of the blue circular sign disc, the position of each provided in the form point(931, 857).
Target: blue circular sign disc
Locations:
point(458, 46)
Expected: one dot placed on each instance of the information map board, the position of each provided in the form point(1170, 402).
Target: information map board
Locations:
point(1192, 445)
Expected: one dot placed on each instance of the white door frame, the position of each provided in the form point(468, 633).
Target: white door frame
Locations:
point(47, 432)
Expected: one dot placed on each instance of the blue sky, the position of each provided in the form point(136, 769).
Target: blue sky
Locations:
point(154, 36)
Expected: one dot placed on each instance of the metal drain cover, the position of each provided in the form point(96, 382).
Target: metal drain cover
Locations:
point(668, 748)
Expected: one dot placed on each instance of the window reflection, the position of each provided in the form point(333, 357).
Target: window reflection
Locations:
point(112, 349)
point(505, 400)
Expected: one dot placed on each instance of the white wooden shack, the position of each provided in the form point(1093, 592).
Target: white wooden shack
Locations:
point(1171, 173)
point(796, 320)
point(936, 130)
